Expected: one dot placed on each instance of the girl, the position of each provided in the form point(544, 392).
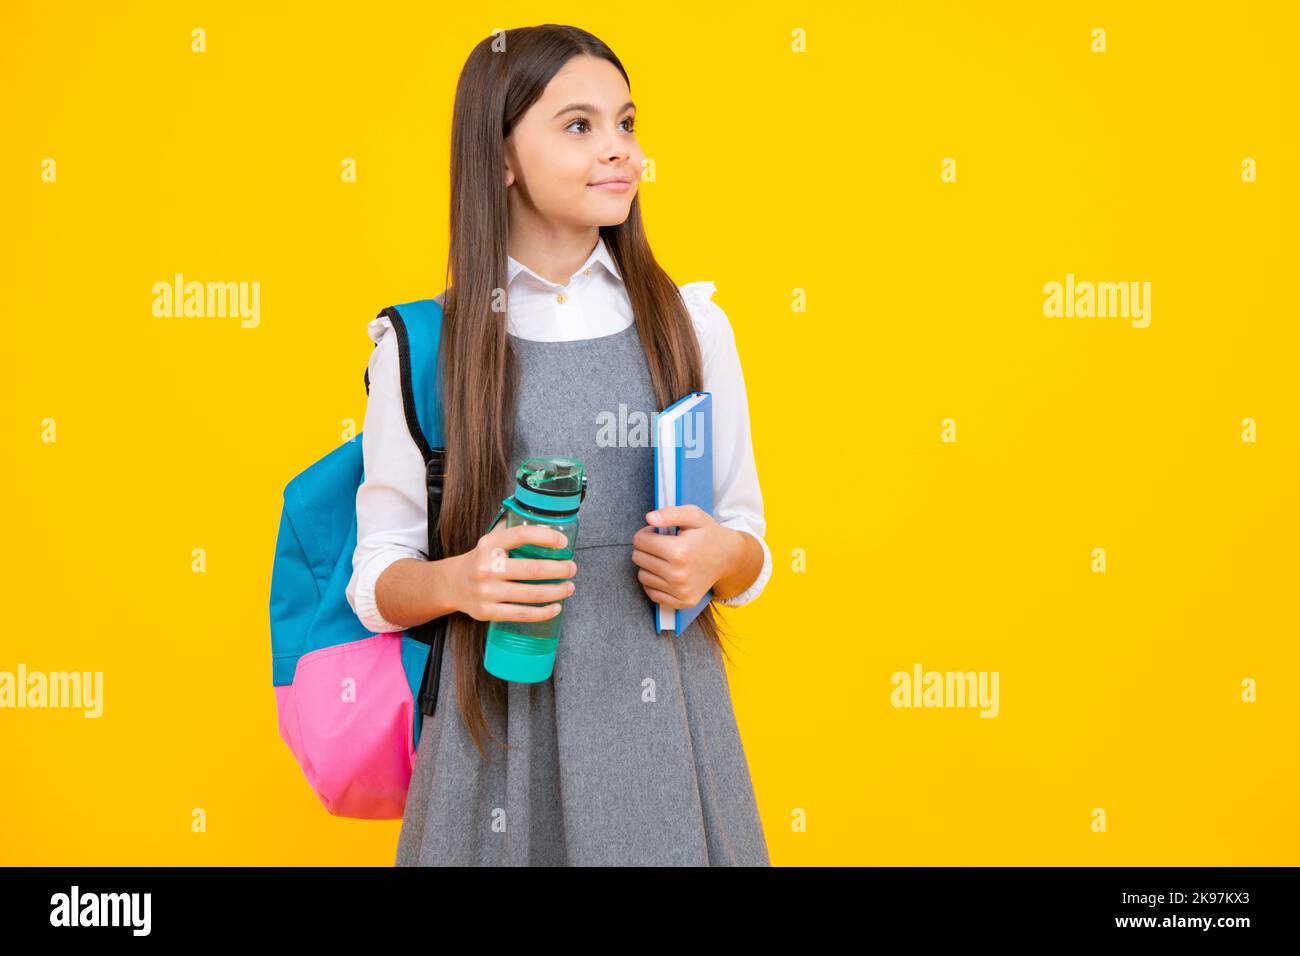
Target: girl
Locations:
point(630, 753)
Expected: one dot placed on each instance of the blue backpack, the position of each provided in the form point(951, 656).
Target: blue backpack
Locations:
point(350, 703)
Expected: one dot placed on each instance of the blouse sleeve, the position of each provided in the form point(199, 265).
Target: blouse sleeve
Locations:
point(737, 498)
point(392, 503)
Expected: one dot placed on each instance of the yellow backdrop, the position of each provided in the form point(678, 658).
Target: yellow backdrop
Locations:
point(1097, 512)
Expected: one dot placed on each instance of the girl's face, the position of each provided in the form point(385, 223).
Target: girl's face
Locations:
point(579, 132)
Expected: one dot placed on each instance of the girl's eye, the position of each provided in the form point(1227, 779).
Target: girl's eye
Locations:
point(631, 121)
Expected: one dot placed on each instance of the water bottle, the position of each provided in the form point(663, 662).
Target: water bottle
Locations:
point(548, 491)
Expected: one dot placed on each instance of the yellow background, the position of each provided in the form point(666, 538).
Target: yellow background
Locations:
point(777, 171)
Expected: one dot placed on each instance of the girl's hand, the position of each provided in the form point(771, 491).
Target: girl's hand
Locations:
point(677, 569)
point(485, 581)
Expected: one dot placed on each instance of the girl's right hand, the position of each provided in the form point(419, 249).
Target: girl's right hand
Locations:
point(486, 581)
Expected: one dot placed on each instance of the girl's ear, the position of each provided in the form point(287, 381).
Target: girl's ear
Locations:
point(508, 160)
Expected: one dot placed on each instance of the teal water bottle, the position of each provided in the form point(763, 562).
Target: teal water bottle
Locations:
point(548, 491)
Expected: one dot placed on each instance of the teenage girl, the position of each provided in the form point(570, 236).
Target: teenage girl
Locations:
point(557, 318)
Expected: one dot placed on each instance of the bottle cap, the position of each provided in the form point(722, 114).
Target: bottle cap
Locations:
point(551, 485)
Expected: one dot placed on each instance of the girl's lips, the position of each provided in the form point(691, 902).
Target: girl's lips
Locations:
point(615, 187)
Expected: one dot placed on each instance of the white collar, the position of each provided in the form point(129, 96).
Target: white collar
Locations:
point(599, 254)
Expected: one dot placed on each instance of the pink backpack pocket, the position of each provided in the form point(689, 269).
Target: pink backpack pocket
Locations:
point(348, 717)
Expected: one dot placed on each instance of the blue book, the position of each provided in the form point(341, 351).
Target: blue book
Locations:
point(683, 436)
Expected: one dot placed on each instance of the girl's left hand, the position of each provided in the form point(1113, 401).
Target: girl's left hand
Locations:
point(676, 569)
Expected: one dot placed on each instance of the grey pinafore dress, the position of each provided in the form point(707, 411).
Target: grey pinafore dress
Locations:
point(629, 755)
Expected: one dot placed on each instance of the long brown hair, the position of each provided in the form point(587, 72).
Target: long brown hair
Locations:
point(503, 76)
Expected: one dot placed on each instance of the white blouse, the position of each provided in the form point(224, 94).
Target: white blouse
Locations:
point(392, 507)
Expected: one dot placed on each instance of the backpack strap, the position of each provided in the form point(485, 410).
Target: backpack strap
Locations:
point(418, 327)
